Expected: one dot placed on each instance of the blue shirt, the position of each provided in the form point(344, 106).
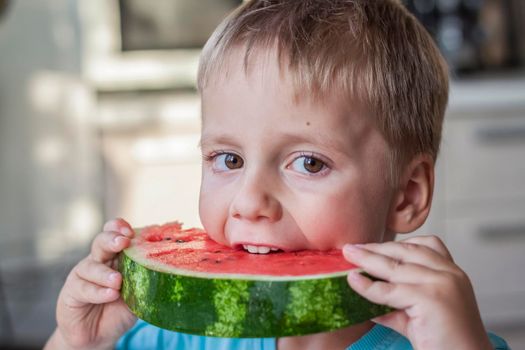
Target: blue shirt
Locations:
point(144, 336)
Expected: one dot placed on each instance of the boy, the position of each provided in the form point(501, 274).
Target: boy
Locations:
point(321, 125)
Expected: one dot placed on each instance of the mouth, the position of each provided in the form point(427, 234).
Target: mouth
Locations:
point(259, 249)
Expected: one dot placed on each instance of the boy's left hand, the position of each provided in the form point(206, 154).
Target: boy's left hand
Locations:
point(435, 300)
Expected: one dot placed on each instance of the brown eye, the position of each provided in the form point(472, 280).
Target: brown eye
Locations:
point(313, 165)
point(233, 161)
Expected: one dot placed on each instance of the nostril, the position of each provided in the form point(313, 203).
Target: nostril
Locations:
point(254, 218)
point(255, 206)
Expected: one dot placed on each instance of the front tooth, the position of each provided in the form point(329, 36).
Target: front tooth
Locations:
point(252, 249)
point(274, 249)
point(264, 250)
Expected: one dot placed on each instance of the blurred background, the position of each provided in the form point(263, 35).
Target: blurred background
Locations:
point(99, 118)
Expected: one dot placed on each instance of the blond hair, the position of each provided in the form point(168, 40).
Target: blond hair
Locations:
point(373, 51)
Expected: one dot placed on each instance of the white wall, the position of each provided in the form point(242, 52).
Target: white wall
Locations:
point(50, 187)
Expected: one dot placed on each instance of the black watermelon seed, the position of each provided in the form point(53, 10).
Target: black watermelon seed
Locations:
point(180, 241)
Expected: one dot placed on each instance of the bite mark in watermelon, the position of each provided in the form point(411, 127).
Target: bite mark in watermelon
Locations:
point(182, 280)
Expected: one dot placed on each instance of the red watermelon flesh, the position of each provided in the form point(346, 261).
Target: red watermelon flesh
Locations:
point(193, 251)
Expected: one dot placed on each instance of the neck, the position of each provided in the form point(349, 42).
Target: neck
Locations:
point(339, 339)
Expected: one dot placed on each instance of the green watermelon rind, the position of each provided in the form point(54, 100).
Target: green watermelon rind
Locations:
point(241, 308)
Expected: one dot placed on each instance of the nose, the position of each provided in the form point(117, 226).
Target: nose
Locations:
point(254, 201)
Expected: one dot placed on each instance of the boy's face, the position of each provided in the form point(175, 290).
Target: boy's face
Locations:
point(284, 174)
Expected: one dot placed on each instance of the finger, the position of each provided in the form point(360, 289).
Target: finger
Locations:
point(82, 292)
point(387, 268)
point(107, 245)
point(432, 242)
point(119, 225)
point(397, 320)
point(407, 252)
point(98, 273)
point(398, 296)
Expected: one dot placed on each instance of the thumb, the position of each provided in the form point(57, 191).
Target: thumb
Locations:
point(397, 320)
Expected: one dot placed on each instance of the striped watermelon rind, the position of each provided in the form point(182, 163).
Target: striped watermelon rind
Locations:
point(236, 307)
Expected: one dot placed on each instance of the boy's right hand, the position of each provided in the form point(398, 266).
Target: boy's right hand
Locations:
point(90, 312)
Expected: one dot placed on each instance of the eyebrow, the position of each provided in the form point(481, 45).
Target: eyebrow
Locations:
point(289, 138)
point(222, 139)
point(323, 140)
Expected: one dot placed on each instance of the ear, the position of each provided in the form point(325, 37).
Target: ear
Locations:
point(413, 198)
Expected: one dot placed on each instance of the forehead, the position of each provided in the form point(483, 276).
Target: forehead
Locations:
point(249, 71)
point(305, 80)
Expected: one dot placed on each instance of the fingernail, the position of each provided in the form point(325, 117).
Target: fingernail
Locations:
point(354, 276)
point(351, 248)
point(126, 231)
point(118, 240)
point(113, 276)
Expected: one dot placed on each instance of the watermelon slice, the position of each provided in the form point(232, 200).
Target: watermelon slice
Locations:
point(182, 280)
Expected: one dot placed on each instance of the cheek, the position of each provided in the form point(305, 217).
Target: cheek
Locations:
point(337, 219)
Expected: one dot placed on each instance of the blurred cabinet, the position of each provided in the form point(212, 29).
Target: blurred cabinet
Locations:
point(485, 155)
point(483, 192)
